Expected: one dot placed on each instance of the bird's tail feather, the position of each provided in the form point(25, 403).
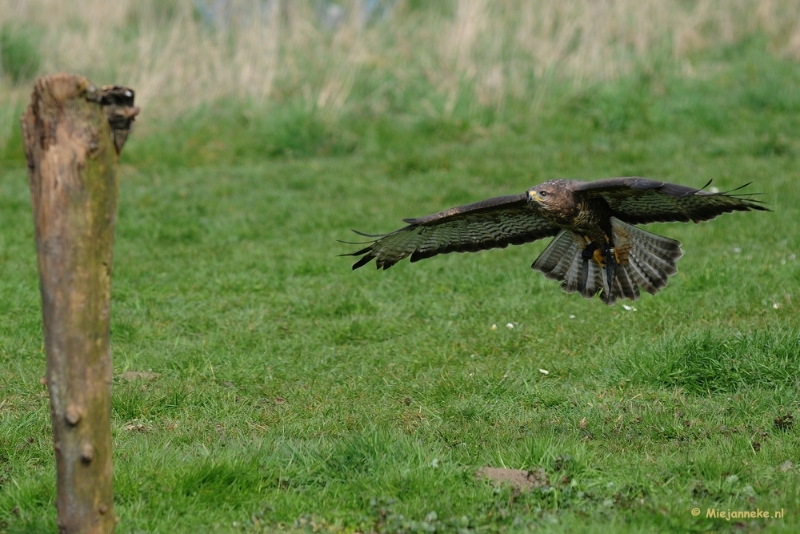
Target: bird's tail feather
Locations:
point(562, 260)
point(646, 261)
point(651, 258)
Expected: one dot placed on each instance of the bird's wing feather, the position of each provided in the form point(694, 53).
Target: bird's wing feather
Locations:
point(492, 223)
point(640, 200)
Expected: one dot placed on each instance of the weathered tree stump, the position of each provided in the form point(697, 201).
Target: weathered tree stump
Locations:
point(73, 133)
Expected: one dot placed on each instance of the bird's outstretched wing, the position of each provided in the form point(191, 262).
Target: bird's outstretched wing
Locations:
point(492, 223)
point(641, 201)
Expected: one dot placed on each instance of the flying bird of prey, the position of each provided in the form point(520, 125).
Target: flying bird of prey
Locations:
point(596, 248)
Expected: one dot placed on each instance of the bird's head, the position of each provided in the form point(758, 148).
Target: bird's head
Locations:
point(544, 194)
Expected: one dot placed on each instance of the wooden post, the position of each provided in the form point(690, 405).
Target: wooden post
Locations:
point(73, 133)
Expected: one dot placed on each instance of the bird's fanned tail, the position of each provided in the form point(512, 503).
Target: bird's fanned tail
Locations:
point(646, 260)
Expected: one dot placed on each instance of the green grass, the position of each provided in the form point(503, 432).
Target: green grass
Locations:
point(294, 394)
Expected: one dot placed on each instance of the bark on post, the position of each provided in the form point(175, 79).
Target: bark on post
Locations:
point(73, 133)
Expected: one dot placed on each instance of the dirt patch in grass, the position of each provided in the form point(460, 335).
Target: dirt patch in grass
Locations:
point(516, 478)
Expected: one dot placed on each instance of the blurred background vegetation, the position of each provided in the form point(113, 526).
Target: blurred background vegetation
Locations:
point(310, 67)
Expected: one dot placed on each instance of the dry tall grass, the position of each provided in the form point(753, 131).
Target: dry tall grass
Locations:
point(179, 54)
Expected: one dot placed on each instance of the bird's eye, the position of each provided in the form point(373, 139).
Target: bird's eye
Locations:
point(542, 193)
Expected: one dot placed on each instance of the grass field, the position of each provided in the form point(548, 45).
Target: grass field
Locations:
point(261, 385)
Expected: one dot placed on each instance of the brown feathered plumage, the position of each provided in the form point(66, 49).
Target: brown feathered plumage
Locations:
point(596, 249)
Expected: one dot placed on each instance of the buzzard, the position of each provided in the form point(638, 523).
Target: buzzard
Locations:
point(596, 248)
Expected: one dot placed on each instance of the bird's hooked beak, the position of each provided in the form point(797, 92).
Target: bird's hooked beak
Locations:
point(533, 196)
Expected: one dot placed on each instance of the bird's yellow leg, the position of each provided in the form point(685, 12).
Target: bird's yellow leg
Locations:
point(599, 257)
point(598, 253)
